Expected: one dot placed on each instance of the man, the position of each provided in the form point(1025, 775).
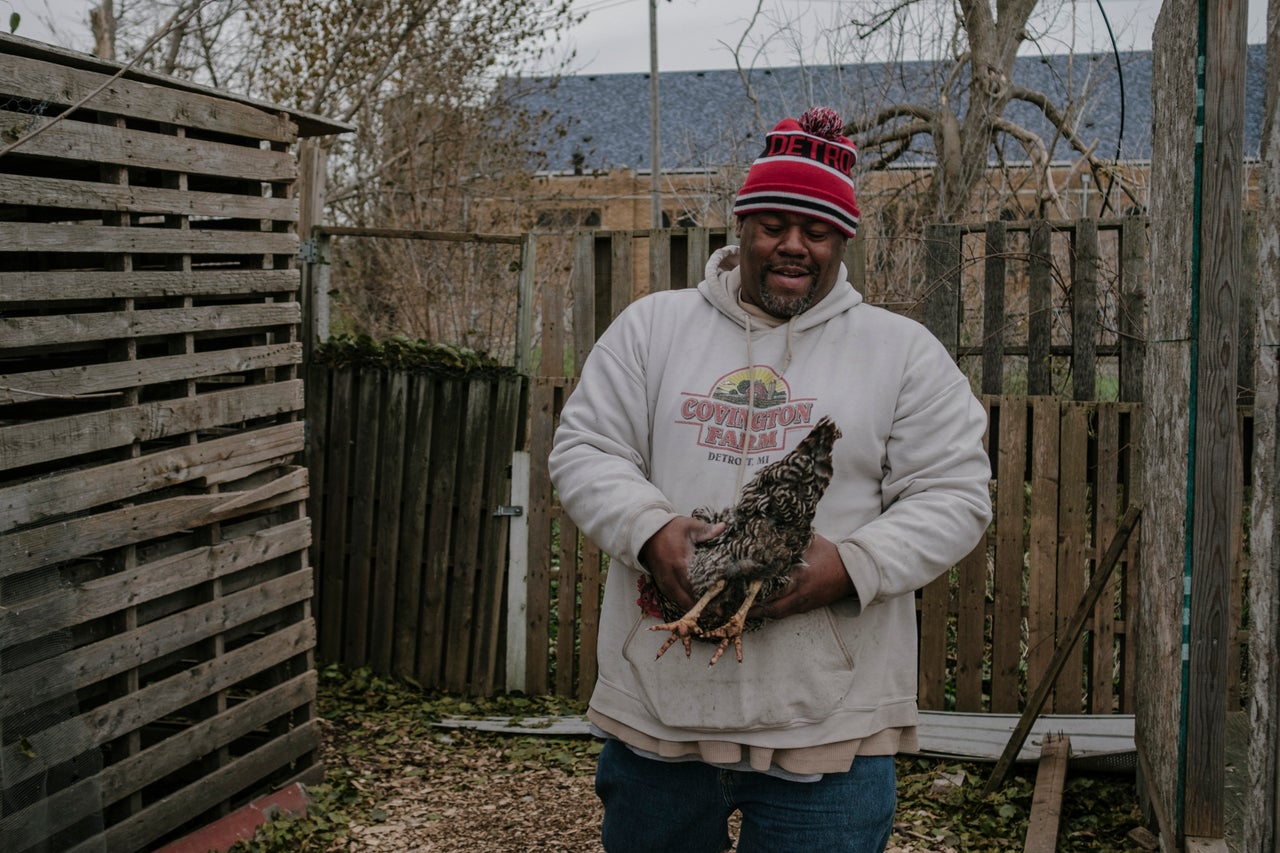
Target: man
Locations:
point(683, 396)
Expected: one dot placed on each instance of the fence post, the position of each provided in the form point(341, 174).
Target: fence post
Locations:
point(313, 290)
point(524, 304)
point(942, 278)
point(1039, 312)
point(1133, 306)
point(1084, 311)
point(584, 297)
point(993, 319)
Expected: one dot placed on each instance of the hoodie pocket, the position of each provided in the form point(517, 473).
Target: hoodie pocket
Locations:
point(794, 671)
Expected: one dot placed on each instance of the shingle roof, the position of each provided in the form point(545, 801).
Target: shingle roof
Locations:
point(707, 120)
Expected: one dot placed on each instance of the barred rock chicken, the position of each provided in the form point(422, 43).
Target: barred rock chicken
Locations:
point(766, 533)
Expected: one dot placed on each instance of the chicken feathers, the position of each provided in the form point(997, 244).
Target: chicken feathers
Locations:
point(766, 533)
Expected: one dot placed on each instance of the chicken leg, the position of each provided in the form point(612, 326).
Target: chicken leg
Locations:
point(732, 629)
point(686, 626)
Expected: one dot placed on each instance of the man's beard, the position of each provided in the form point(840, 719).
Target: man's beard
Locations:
point(786, 307)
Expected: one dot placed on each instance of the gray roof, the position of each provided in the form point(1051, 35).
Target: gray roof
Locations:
point(707, 120)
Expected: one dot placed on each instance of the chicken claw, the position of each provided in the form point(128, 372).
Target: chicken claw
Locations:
point(686, 627)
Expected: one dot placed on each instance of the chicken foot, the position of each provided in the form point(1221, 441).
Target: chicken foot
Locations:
point(732, 629)
point(686, 627)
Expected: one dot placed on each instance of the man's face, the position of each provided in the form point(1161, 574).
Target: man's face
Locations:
point(789, 261)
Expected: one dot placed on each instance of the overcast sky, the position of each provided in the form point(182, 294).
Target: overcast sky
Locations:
point(692, 34)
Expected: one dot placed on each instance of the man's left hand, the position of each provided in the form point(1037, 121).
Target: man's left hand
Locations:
point(820, 580)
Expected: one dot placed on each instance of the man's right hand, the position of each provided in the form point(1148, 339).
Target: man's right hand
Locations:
point(667, 554)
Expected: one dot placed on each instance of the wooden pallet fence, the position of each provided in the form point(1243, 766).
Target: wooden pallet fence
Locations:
point(411, 470)
point(1041, 307)
point(155, 626)
point(565, 578)
point(1063, 473)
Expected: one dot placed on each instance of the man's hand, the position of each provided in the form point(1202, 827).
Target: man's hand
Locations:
point(820, 581)
point(667, 554)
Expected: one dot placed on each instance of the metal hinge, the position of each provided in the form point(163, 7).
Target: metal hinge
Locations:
point(309, 251)
point(508, 510)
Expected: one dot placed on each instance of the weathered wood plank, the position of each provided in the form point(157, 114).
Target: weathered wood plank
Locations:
point(442, 475)
point(318, 378)
point(1042, 549)
point(971, 642)
point(1006, 628)
point(85, 665)
point(332, 564)
point(622, 276)
point(58, 438)
point(932, 661)
point(177, 808)
point(76, 605)
point(1133, 306)
point(1073, 513)
point(32, 502)
point(81, 537)
point(413, 524)
point(100, 143)
point(118, 717)
point(699, 250)
point(362, 520)
point(1215, 509)
point(1106, 513)
point(99, 239)
point(119, 325)
point(589, 620)
point(62, 84)
point(552, 361)
point(63, 808)
point(1046, 802)
point(35, 191)
point(494, 537)
point(971, 614)
point(942, 273)
point(993, 314)
point(1039, 310)
point(566, 583)
point(69, 382)
point(390, 489)
point(1084, 311)
point(584, 298)
point(543, 410)
point(77, 284)
point(659, 259)
point(472, 449)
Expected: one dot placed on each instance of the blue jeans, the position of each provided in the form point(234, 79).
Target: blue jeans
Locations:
point(657, 806)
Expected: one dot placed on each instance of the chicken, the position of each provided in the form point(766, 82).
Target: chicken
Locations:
point(766, 533)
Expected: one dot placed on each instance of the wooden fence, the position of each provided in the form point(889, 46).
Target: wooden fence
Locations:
point(412, 476)
point(987, 629)
point(1054, 308)
point(1035, 307)
point(155, 628)
point(1063, 473)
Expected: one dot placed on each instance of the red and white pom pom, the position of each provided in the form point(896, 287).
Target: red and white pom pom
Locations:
point(822, 122)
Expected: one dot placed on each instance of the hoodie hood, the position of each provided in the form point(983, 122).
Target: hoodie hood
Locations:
point(723, 281)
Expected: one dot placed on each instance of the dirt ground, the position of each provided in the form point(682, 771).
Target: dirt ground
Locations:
point(456, 791)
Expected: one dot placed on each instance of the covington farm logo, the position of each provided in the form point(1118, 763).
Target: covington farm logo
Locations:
point(751, 406)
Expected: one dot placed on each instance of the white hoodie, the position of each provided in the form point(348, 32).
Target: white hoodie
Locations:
point(659, 425)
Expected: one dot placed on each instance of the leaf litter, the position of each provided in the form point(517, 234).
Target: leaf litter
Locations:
point(396, 782)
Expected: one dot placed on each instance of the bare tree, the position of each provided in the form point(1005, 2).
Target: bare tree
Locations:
point(953, 109)
point(417, 78)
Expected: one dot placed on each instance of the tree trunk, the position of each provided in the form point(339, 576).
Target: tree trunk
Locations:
point(102, 19)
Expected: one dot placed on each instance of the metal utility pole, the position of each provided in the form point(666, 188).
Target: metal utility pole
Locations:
point(655, 178)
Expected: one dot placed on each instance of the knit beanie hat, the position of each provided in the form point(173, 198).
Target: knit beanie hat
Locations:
point(805, 168)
